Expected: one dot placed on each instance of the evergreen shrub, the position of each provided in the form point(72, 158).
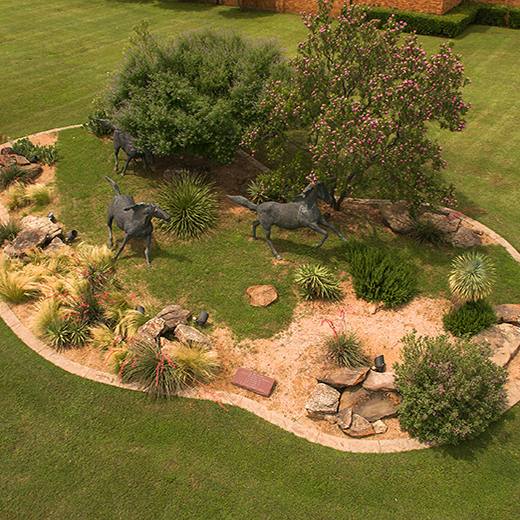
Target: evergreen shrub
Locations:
point(451, 391)
point(470, 319)
point(378, 276)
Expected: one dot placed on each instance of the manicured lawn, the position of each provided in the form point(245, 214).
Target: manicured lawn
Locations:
point(70, 448)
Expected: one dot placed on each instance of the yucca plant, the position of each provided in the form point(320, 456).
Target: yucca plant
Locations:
point(255, 191)
point(9, 229)
point(317, 281)
point(192, 204)
point(67, 332)
point(471, 277)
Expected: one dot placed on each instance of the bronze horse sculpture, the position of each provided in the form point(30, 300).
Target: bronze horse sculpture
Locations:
point(302, 211)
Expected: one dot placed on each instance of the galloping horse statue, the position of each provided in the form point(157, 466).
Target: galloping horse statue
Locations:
point(302, 211)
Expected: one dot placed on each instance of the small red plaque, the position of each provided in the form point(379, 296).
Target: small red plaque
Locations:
point(257, 383)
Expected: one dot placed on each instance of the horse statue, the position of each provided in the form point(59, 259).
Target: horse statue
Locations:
point(302, 211)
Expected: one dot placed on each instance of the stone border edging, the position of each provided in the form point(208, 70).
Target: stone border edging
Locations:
point(311, 434)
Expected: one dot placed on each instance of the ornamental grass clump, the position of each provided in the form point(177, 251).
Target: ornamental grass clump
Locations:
point(426, 232)
point(377, 276)
point(451, 391)
point(317, 281)
point(9, 228)
point(471, 277)
point(163, 374)
point(192, 205)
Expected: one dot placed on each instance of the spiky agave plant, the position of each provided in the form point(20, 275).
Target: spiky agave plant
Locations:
point(317, 281)
point(192, 204)
point(471, 277)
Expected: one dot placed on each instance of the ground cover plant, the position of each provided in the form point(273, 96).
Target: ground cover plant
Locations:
point(451, 390)
point(470, 319)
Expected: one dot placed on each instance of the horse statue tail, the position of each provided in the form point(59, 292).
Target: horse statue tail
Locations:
point(243, 202)
point(115, 187)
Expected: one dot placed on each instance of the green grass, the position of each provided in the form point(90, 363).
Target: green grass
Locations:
point(71, 448)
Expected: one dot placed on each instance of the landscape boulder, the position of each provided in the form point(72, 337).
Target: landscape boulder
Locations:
point(377, 406)
point(26, 241)
point(151, 330)
point(323, 400)
point(396, 217)
point(445, 223)
point(188, 335)
point(508, 313)
point(359, 427)
point(376, 381)
point(173, 315)
point(262, 295)
point(464, 238)
point(503, 341)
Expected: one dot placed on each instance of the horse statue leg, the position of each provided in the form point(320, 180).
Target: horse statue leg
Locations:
point(323, 222)
point(267, 231)
point(317, 228)
point(256, 223)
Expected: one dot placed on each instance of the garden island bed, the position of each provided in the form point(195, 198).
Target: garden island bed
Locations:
point(296, 356)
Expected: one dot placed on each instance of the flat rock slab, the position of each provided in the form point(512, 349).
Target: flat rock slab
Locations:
point(377, 405)
point(173, 315)
point(26, 241)
point(503, 340)
point(377, 381)
point(187, 334)
point(43, 224)
point(396, 217)
point(262, 295)
point(508, 313)
point(345, 378)
point(442, 222)
point(253, 381)
point(351, 396)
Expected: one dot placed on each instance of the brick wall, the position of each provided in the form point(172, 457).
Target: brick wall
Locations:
point(299, 6)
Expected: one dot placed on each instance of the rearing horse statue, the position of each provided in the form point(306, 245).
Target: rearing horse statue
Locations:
point(302, 211)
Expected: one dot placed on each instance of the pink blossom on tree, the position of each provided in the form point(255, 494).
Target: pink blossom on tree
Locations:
point(364, 97)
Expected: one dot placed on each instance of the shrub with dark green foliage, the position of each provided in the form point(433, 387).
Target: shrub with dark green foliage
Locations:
point(190, 201)
point(317, 281)
point(345, 349)
point(47, 154)
point(378, 276)
point(451, 391)
point(470, 319)
point(194, 95)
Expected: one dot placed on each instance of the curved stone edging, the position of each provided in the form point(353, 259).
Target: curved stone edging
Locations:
point(311, 434)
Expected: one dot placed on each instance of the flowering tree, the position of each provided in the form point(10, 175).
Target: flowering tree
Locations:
point(194, 95)
point(363, 96)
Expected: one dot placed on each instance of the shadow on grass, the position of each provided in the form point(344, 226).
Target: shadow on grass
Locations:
point(498, 433)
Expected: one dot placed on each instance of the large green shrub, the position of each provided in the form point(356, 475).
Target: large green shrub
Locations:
point(191, 203)
point(470, 319)
point(378, 276)
point(451, 391)
point(193, 95)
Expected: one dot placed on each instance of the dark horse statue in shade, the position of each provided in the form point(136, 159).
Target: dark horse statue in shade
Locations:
point(124, 140)
point(302, 211)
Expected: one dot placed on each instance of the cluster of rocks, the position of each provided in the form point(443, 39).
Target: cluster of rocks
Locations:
point(36, 232)
point(397, 217)
point(28, 168)
point(171, 321)
point(502, 339)
point(356, 400)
